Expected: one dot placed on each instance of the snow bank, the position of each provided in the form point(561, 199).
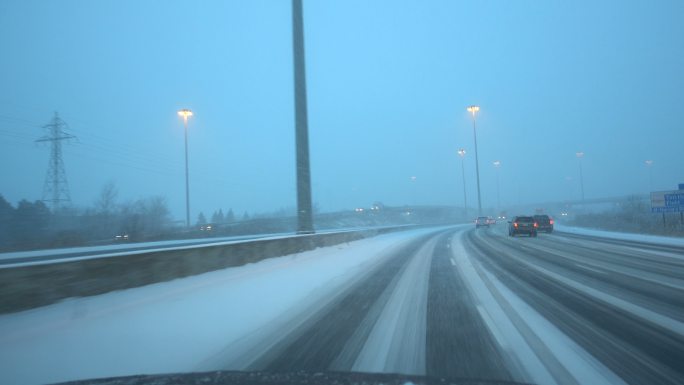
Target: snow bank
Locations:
point(660, 240)
point(174, 326)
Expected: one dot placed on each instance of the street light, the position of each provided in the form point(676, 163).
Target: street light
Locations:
point(185, 114)
point(649, 164)
point(461, 153)
point(473, 110)
point(580, 155)
point(497, 164)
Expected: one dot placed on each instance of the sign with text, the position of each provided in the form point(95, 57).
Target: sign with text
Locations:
point(667, 201)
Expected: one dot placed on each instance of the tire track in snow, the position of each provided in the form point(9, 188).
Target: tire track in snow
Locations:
point(319, 344)
point(633, 348)
point(459, 344)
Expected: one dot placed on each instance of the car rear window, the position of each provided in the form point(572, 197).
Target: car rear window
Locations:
point(525, 219)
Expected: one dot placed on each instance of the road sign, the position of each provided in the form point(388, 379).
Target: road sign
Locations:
point(672, 200)
point(667, 201)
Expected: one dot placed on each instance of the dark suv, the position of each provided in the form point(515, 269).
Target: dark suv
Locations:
point(522, 225)
point(544, 222)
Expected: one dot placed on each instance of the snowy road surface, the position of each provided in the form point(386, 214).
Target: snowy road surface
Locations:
point(446, 302)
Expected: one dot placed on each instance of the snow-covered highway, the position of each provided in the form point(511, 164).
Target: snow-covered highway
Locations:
point(447, 302)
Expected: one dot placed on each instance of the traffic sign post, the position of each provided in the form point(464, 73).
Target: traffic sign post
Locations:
point(668, 202)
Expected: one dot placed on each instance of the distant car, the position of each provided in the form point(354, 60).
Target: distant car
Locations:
point(522, 225)
point(491, 220)
point(544, 222)
point(481, 222)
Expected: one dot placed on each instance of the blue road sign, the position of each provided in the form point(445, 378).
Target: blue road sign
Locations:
point(667, 201)
point(674, 200)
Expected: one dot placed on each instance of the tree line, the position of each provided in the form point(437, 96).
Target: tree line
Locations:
point(33, 225)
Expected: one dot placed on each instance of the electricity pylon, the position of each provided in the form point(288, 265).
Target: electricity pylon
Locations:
point(56, 187)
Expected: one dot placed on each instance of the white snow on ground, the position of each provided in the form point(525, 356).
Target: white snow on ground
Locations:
point(671, 241)
point(396, 344)
point(174, 326)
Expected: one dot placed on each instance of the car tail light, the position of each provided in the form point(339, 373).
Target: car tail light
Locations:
point(551, 222)
point(515, 224)
point(536, 224)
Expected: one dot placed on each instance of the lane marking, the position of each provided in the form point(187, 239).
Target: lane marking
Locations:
point(490, 324)
point(453, 263)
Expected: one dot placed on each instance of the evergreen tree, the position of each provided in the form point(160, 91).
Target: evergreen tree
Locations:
point(30, 222)
point(230, 216)
point(6, 214)
point(201, 220)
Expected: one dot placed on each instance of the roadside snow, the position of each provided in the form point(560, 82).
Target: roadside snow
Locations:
point(655, 239)
point(174, 326)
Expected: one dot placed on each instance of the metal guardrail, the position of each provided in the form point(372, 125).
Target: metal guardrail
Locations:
point(29, 286)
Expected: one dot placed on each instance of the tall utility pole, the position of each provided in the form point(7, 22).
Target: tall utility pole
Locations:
point(497, 164)
point(580, 155)
point(649, 165)
point(56, 187)
point(304, 206)
point(473, 110)
point(461, 153)
point(185, 114)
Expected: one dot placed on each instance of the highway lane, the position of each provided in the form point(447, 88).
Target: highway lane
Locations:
point(478, 304)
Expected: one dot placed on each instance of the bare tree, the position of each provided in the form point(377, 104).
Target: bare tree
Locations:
point(106, 202)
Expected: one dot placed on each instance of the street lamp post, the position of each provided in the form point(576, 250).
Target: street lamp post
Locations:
point(461, 153)
point(473, 110)
point(185, 114)
point(497, 164)
point(580, 155)
point(649, 164)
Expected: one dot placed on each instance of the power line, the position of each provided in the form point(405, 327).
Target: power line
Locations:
point(56, 187)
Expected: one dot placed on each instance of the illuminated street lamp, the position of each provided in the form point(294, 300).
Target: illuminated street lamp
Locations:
point(185, 114)
point(580, 155)
point(497, 164)
point(473, 110)
point(649, 164)
point(461, 153)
